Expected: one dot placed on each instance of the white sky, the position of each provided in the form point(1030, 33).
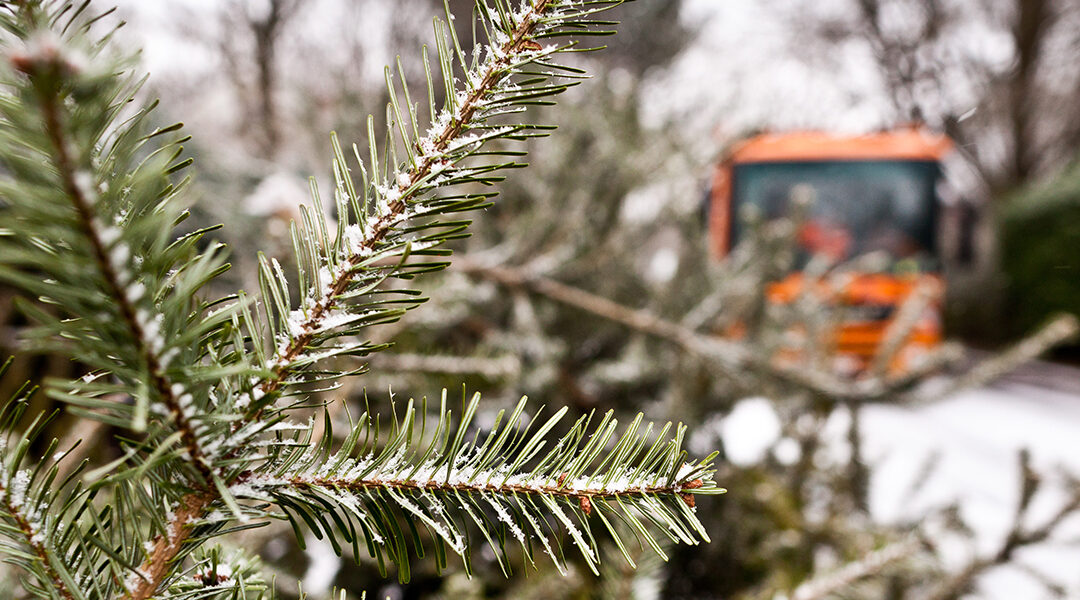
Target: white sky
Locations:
point(736, 62)
point(743, 72)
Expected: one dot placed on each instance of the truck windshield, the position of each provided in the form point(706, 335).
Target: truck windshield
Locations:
point(857, 206)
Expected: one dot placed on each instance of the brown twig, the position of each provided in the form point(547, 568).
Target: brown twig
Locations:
point(436, 485)
point(494, 367)
point(731, 357)
point(1019, 537)
point(167, 546)
point(1062, 328)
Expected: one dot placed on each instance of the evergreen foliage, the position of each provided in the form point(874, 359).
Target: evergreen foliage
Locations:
point(207, 395)
point(1036, 223)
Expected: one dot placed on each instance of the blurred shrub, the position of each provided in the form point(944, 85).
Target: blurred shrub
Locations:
point(1040, 229)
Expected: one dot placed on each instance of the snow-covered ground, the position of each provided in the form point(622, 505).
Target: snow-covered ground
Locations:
point(973, 440)
point(977, 435)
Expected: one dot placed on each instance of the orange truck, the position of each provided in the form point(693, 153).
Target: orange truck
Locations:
point(870, 193)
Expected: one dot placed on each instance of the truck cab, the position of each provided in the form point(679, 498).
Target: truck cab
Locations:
point(870, 193)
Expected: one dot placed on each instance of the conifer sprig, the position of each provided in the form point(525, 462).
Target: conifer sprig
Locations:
point(396, 213)
point(23, 509)
point(194, 386)
point(515, 482)
point(114, 269)
point(78, 185)
point(42, 510)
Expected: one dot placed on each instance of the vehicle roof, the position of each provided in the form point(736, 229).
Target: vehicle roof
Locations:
point(900, 144)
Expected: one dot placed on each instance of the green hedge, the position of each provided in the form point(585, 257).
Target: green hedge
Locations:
point(1040, 230)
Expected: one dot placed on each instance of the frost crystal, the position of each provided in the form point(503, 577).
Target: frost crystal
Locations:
point(19, 485)
point(119, 256)
point(297, 323)
point(504, 516)
point(109, 235)
point(135, 292)
point(84, 183)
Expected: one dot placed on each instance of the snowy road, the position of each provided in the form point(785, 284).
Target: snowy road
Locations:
point(978, 434)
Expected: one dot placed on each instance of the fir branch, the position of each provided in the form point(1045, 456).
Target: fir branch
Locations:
point(349, 266)
point(581, 493)
point(13, 494)
point(166, 547)
point(226, 576)
point(42, 70)
point(515, 477)
point(33, 515)
point(83, 177)
point(434, 162)
point(150, 334)
point(513, 50)
point(872, 564)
